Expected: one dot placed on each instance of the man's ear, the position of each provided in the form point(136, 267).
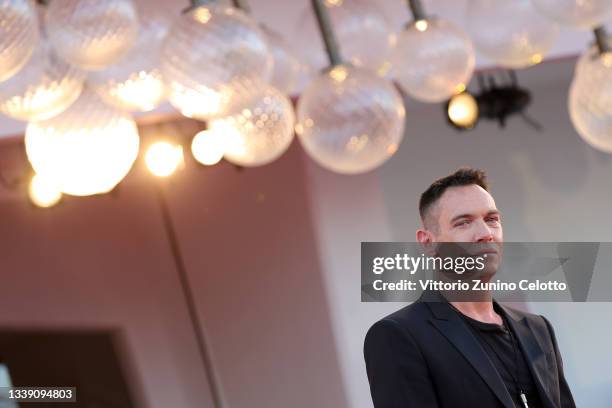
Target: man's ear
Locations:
point(426, 239)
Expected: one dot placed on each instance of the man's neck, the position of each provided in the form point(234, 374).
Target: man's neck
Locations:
point(481, 311)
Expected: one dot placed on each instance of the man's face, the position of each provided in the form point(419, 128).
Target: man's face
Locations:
point(465, 214)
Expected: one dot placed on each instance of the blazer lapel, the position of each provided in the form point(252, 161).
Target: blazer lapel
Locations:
point(460, 336)
point(536, 360)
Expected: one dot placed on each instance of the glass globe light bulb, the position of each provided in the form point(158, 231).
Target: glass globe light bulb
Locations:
point(287, 67)
point(365, 35)
point(91, 34)
point(212, 57)
point(510, 33)
point(432, 62)
point(463, 110)
point(350, 120)
point(582, 13)
point(260, 131)
point(43, 193)
point(135, 82)
point(44, 87)
point(208, 147)
point(18, 35)
point(590, 99)
point(163, 159)
point(87, 149)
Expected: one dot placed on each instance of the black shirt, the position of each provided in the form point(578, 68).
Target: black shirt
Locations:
point(496, 340)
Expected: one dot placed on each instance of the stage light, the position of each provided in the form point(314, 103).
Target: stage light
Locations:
point(163, 159)
point(462, 110)
point(43, 192)
point(208, 147)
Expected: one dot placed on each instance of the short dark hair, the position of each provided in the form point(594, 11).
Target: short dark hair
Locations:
point(464, 176)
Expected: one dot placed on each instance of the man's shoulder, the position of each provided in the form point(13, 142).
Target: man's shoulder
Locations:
point(407, 319)
point(413, 313)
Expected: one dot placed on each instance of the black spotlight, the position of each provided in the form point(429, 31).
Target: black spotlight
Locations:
point(495, 101)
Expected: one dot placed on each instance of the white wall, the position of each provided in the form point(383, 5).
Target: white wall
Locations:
point(550, 186)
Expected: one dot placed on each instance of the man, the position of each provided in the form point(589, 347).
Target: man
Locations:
point(436, 353)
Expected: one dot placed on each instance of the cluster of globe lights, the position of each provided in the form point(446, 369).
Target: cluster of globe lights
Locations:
point(590, 94)
point(123, 56)
point(98, 61)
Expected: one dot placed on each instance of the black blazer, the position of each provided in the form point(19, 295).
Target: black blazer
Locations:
point(424, 356)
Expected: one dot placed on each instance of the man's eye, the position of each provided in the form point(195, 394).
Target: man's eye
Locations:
point(493, 219)
point(462, 223)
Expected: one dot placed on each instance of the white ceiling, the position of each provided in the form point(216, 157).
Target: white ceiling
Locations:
point(285, 17)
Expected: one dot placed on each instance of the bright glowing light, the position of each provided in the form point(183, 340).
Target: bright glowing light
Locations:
point(199, 101)
point(202, 15)
point(338, 73)
point(43, 192)
point(208, 147)
point(463, 110)
point(163, 159)
point(421, 25)
point(87, 149)
point(142, 91)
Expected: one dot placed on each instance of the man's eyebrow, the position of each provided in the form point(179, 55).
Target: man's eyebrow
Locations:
point(460, 216)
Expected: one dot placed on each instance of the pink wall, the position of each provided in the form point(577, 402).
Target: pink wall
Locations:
point(250, 254)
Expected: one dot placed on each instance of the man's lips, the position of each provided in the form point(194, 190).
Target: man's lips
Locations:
point(488, 252)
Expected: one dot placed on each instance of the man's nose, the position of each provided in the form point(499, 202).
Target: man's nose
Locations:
point(484, 233)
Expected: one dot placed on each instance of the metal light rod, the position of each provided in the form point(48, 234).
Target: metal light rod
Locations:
point(212, 376)
point(327, 32)
point(198, 3)
point(601, 39)
point(242, 5)
point(416, 7)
